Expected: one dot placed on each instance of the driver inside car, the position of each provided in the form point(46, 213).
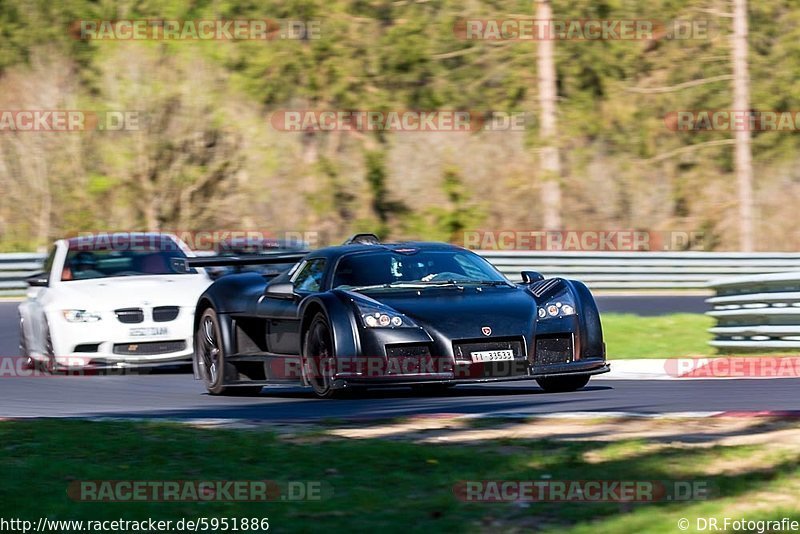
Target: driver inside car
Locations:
point(81, 267)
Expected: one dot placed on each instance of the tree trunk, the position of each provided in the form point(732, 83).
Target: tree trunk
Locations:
point(741, 103)
point(550, 163)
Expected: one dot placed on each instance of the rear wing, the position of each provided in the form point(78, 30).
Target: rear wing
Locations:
point(185, 264)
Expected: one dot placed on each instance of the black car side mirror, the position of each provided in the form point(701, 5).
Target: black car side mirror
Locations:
point(530, 277)
point(283, 290)
point(38, 280)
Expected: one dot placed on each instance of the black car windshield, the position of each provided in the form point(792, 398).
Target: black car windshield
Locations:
point(413, 267)
point(87, 262)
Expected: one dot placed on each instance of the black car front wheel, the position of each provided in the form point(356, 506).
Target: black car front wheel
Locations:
point(210, 354)
point(561, 384)
point(319, 358)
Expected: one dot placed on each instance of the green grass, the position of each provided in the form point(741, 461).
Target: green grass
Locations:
point(391, 486)
point(666, 336)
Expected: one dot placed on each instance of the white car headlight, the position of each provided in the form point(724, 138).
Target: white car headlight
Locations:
point(81, 316)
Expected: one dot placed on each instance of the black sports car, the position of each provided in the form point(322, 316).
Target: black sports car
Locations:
point(365, 314)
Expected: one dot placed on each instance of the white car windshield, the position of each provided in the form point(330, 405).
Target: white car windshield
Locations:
point(83, 264)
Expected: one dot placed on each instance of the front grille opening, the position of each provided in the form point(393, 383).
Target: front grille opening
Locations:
point(87, 347)
point(408, 351)
point(129, 315)
point(409, 359)
point(149, 348)
point(162, 314)
point(553, 349)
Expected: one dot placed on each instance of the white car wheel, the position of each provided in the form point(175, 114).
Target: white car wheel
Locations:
point(50, 365)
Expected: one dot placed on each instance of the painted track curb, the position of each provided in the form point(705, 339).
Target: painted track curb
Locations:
point(718, 368)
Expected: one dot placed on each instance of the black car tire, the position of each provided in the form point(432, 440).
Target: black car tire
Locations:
point(319, 358)
point(562, 384)
point(210, 353)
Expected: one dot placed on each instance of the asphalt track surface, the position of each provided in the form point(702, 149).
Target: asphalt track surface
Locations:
point(175, 395)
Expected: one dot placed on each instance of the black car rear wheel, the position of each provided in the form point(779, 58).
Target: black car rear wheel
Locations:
point(211, 364)
point(561, 384)
point(319, 358)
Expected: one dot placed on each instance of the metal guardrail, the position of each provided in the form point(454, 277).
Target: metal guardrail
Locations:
point(756, 312)
point(600, 270)
point(15, 268)
point(642, 270)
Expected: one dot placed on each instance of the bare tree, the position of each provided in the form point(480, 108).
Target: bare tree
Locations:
point(550, 162)
point(35, 165)
point(741, 103)
point(185, 150)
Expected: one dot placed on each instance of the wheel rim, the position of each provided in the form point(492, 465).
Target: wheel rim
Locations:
point(320, 354)
point(209, 359)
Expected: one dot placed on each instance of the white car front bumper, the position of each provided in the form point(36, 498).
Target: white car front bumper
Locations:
point(109, 343)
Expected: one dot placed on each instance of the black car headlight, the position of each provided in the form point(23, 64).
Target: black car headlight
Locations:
point(560, 305)
point(376, 315)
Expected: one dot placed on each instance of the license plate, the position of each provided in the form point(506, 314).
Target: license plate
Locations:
point(493, 355)
point(149, 331)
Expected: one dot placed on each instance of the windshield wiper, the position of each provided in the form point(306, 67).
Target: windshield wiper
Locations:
point(422, 284)
point(444, 283)
point(385, 286)
point(453, 282)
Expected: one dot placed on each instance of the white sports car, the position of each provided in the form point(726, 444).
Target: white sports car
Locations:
point(112, 301)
